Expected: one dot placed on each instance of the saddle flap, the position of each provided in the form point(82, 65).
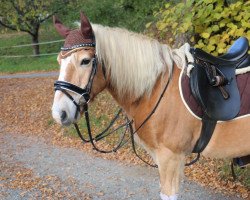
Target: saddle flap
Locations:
point(210, 97)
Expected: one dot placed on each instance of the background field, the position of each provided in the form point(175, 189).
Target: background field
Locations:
point(25, 64)
point(132, 15)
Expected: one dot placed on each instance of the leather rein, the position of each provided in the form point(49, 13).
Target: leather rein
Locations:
point(82, 105)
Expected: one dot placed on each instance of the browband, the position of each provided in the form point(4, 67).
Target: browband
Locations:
point(77, 46)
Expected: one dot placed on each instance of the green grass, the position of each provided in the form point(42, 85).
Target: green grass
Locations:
point(26, 64)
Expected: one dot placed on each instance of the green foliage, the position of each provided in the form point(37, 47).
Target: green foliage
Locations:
point(139, 13)
point(130, 14)
point(27, 15)
point(210, 24)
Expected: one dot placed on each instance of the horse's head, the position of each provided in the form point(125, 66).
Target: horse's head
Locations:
point(79, 80)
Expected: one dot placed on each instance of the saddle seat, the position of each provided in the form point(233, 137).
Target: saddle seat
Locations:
point(234, 57)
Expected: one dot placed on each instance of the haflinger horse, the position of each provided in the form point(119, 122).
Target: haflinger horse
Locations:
point(135, 70)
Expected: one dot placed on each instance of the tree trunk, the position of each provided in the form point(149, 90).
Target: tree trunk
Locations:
point(36, 50)
point(35, 41)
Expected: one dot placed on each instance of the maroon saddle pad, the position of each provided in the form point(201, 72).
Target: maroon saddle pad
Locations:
point(243, 82)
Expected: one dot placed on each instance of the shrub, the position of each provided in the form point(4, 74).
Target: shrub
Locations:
point(211, 25)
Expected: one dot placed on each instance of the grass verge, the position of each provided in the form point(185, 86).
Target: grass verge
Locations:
point(27, 63)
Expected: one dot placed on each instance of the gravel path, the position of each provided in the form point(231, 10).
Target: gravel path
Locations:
point(67, 173)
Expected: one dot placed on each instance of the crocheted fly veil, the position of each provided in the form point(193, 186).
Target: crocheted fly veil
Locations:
point(75, 39)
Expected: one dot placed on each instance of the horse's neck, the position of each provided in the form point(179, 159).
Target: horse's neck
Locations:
point(138, 106)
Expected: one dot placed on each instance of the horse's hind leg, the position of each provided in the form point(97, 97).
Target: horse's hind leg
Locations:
point(170, 169)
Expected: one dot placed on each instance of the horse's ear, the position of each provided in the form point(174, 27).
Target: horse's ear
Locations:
point(61, 29)
point(86, 27)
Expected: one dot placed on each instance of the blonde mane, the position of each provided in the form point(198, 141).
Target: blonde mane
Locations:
point(133, 61)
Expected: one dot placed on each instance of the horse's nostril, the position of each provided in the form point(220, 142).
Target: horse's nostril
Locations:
point(63, 116)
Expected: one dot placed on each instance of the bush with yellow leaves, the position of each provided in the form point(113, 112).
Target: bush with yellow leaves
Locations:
point(211, 25)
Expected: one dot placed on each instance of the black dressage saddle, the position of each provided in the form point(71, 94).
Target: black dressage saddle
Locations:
point(213, 84)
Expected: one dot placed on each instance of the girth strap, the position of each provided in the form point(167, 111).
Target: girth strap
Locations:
point(208, 126)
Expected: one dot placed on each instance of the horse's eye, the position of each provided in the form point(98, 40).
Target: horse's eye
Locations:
point(85, 61)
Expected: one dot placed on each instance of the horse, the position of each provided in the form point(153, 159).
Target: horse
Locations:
point(135, 69)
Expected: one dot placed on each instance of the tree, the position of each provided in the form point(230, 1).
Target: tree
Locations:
point(28, 15)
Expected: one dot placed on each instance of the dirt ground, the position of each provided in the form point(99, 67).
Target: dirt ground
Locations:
point(25, 110)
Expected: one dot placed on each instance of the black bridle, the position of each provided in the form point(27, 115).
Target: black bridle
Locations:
point(82, 105)
point(64, 87)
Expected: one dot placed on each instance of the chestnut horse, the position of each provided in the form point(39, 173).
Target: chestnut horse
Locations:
point(135, 69)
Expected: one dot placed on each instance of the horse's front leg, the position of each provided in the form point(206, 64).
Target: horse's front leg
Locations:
point(171, 169)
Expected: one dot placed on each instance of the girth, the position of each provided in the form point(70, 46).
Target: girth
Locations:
point(213, 84)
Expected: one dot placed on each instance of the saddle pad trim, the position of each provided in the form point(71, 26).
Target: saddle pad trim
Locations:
point(182, 97)
point(183, 72)
point(242, 70)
